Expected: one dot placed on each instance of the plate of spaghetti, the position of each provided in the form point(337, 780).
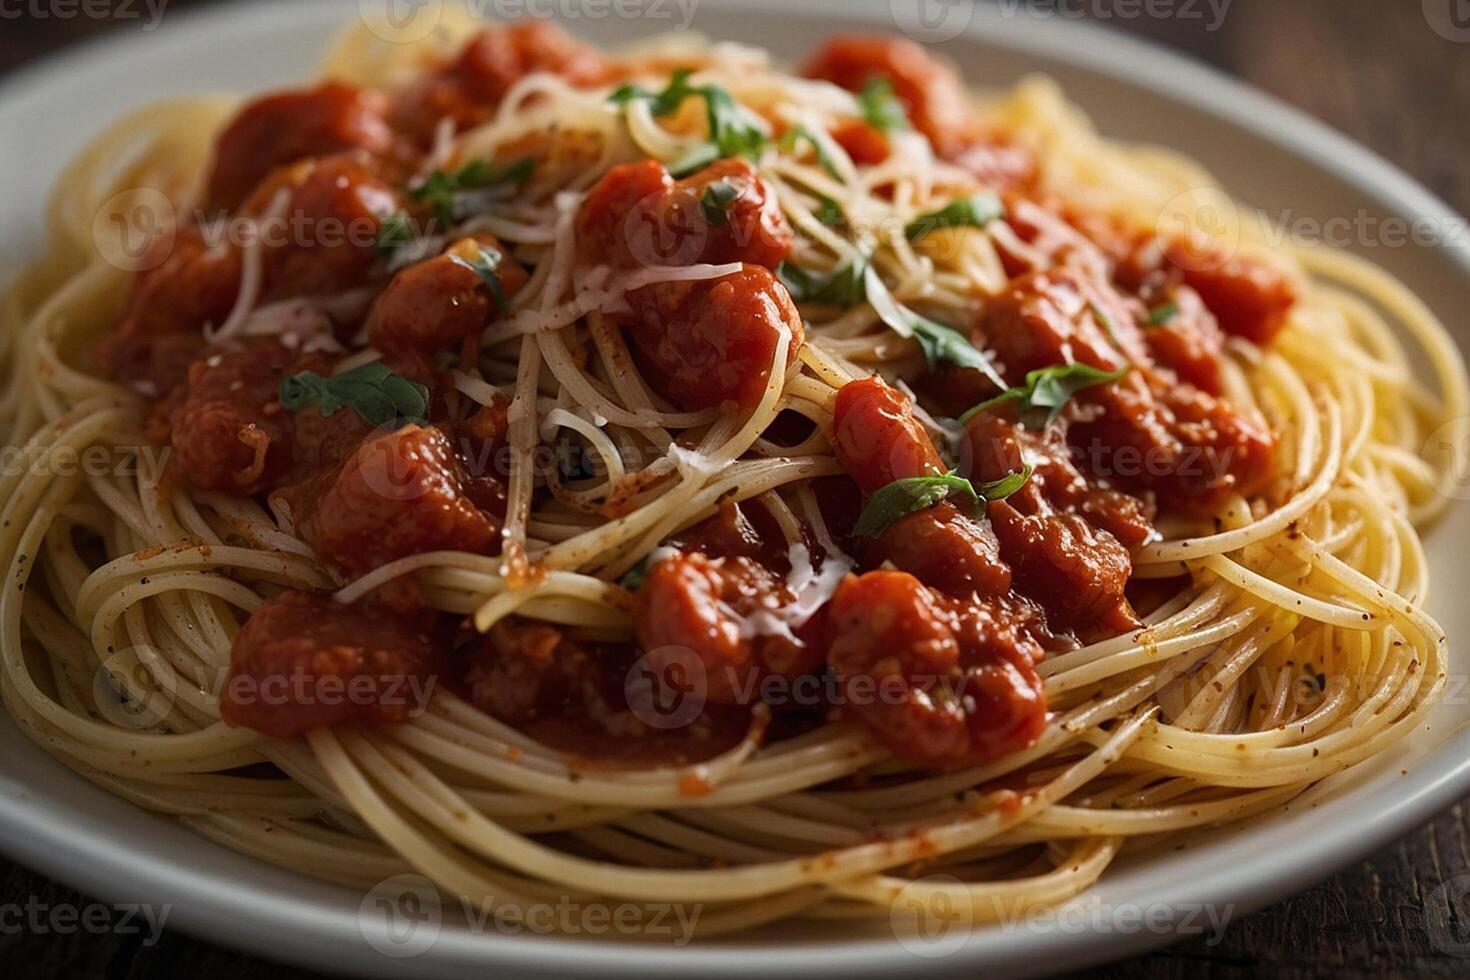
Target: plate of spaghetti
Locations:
point(720, 499)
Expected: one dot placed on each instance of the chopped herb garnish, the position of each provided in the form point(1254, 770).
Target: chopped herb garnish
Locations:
point(733, 129)
point(716, 200)
point(1162, 314)
point(486, 265)
point(440, 187)
point(395, 232)
point(939, 343)
point(1046, 391)
point(798, 134)
point(634, 577)
point(945, 345)
point(843, 286)
point(881, 107)
point(372, 390)
point(1006, 485)
point(828, 213)
point(976, 211)
point(912, 494)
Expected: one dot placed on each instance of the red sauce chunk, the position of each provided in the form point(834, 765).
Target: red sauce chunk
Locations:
point(401, 493)
point(709, 342)
point(933, 96)
point(692, 619)
point(638, 215)
point(468, 89)
point(877, 438)
point(304, 661)
point(281, 129)
point(229, 432)
point(327, 239)
point(942, 682)
point(440, 303)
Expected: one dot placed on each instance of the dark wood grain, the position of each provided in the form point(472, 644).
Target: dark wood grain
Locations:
point(1371, 68)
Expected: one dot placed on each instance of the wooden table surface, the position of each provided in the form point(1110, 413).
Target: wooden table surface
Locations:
point(1376, 69)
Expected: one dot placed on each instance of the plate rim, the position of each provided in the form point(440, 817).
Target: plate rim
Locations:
point(303, 933)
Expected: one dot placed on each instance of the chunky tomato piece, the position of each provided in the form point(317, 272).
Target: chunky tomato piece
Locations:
point(706, 343)
point(998, 162)
point(304, 661)
point(190, 287)
point(946, 550)
point(401, 493)
point(1075, 570)
point(877, 438)
point(932, 93)
point(695, 616)
point(1250, 296)
point(281, 129)
point(230, 433)
point(1060, 316)
point(326, 240)
point(1190, 448)
point(997, 447)
point(468, 89)
point(441, 302)
point(1187, 339)
point(865, 144)
point(942, 682)
point(637, 215)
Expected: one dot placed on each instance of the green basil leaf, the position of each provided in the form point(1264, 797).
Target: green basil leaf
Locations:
point(439, 188)
point(486, 265)
point(939, 343)
point(372, 390)
point(733, 129)
point(881, 107)
point(1162, 314)
point(976, 211)
point(1006, 485)
point(698, 158)
point(829, 213)
point(843, 286)
point(1047, 391)
point(796, 135)
point(716, 200)
point(634, 577)
point(910, 495)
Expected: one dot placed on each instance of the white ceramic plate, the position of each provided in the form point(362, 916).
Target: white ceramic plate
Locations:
point(1267, 154)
